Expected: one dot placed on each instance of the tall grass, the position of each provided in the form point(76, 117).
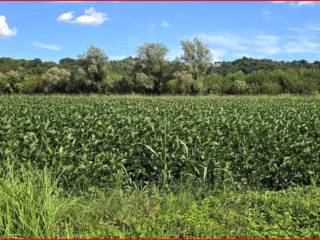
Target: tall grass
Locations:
point(31, 203)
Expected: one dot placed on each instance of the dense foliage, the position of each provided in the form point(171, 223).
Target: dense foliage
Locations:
point(137, 141)
point(150, 72)
point(33, 206)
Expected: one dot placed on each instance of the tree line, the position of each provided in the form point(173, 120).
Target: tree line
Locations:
point(151, 73)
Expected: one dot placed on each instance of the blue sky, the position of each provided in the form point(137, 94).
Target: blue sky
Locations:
point(52, 30)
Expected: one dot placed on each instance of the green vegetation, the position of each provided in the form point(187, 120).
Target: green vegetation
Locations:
point(137, 166)
point(137, 141)
point(150, 72)
point(32, 205)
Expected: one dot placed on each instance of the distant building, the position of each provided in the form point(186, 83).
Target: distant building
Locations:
point(217, 64)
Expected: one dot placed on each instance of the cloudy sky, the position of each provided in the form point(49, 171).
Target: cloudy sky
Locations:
point(52, 30)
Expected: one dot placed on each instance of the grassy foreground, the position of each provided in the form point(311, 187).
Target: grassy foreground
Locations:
point(159, 167)
point(32, 205)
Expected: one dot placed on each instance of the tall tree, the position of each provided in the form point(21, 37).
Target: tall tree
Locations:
point(95, 62)
point(197, 56)
point(151, 66)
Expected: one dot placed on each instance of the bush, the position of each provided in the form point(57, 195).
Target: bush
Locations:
point(212, 84)
point(181, 84)
point(270, 88)
point(31, 84)
point(54, 80)
point(143, 83)
point(235, 83)
point(9, 82)
point(307, 82)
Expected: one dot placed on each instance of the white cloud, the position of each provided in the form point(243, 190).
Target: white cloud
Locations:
point(165, 24)
point(228, 44)
point(217, 54)
point(302, 45)
point(306, 3)
point(263, 43)
point(267, 44)
point(117, 57)
point(66, 17)
point(297, 3)
point(151, 27)
point(5, 30)
point(313, 27)
point(306, 40)
point(309, 29)
point(225, 40)
point(46, 46)
point(295, 29)
point(90, 17)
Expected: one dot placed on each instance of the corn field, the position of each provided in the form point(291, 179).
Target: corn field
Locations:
point(135, 141)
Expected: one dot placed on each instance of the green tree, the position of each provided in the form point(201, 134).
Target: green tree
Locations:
point(79, 82)
point(9, 82)
point(95, 63)
point(197, 56)
point(212, 83)
point(2, 82)
point(31, 84)
point(144, 82)
point(306, 83)
point(263, 82)
point(54, 80)
point(181, 83)
point(150, 68)
point(235, 83)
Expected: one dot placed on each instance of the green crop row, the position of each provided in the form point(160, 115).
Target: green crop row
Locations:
point(132, 141)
